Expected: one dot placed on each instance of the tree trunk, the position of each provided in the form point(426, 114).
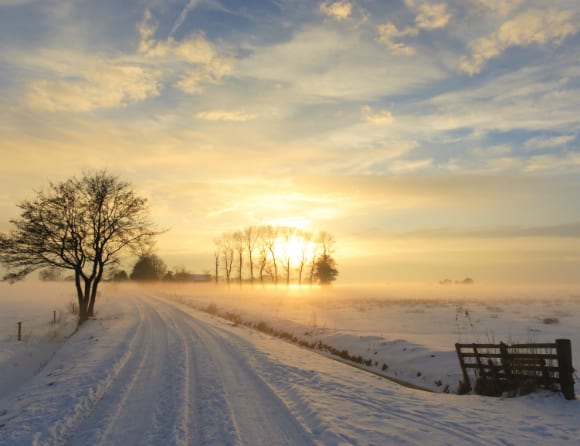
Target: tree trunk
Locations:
point(94, 286)
point(251, 267)
point(91, 310)
point(217, 264)
point(83, 310)
point(275, 265)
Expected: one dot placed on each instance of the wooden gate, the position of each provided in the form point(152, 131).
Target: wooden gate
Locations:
point(499, 368)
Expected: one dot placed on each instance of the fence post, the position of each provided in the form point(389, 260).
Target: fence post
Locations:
point(19, 331)
point(566, 371)
point(466, 382)
point(53, 317)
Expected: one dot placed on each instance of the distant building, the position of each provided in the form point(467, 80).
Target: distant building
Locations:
point(199, 278)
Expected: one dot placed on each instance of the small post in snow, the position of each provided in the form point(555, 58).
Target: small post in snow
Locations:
point(53, 317)
point(19, 331)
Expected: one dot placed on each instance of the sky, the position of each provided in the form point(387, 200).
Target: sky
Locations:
point(433, 139)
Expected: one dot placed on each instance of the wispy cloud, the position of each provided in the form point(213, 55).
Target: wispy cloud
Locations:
point(500, 8)
point(319, 64)
point(534, 26)
point(428, 17)
point(94, 83)
point(379, 117)
point(191, 5)
point(337, 10)
point(541, 142)
point(388, 33)
point(204, 65)
point(567, 230)
point(432, 16)
point(408, 166)
point(567, 162)
point(224, 115)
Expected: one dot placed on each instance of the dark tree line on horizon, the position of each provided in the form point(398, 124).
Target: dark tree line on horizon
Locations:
point(274, 254)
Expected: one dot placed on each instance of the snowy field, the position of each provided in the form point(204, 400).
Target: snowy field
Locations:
point(408, 331)
point(153, 369)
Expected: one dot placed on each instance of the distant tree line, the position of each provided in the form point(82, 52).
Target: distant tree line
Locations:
point(274, 254)
point(149, 267)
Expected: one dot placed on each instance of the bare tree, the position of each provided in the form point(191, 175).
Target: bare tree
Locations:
point(271, 250)
point(270, 236)
point(238, 243)
point(262, 253)
point(285, 237)
point(250, 239)
point(80, 225)
point(326, 242)
point(312, 263)
point(216, 256)
point(305, 253)
point(228, 254)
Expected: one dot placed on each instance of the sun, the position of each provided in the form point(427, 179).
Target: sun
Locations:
point(293, 248)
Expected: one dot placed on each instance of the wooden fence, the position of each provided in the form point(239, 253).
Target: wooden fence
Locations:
point(517, 368)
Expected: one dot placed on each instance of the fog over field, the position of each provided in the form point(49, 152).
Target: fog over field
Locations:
point(61, 386)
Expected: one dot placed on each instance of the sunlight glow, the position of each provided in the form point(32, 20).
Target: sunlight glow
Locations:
point(291, 222)
point(294, 248)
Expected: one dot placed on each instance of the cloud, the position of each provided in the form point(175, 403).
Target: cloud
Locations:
point(428, 18)
point(535, 26)
point(14, 2)
point(184, 13)
point(320, 64)
point(388, 32)
point(81, 82)
point(566, 230)
point(195, 79)
point(432, 16)
point(541, 142)
point(569, 161)
point(340, 10)
point(407, 166)
point(381, 117)
point(223, 115)
point(202, 63)
point(85, 83)
point(500, 8)
point(530, 98)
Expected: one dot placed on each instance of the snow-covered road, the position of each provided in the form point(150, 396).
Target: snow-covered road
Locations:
point(149, 371)
point(186, 382)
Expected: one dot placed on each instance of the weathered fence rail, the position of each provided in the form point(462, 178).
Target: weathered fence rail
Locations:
point(499, 368)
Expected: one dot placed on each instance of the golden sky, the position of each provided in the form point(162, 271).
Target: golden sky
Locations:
point(434, 139)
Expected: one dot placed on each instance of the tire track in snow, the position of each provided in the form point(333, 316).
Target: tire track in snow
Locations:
point(388, 403)
point(175, 406)
point(257, 415)
point(126, 398)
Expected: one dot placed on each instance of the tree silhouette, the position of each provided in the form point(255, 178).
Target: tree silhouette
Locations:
point(80, 225)
point(149, 267)
point(271, 253)
point(325, 269)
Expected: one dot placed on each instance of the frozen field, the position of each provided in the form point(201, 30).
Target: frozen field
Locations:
point(411, 329)
point(152, 369)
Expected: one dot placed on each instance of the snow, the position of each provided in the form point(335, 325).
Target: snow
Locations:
point(154, 369)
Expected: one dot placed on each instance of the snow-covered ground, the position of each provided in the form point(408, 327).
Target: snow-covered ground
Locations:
point(153, 369)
